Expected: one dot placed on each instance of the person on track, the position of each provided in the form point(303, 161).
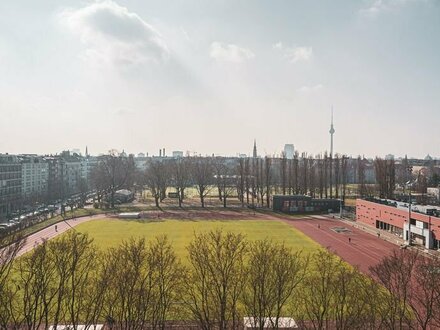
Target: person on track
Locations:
point(56, 228)
point(349, 240)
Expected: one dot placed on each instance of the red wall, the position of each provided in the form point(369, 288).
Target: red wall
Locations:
point(369, 212)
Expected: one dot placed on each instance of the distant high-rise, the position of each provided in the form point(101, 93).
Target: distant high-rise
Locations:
point(177, 154)
point(332, 131)
point(289, 151)
point(254, 154)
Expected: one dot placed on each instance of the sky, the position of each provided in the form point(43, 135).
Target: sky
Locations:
point(212, 76)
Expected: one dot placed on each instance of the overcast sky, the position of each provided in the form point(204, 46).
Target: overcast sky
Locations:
point(210, 76)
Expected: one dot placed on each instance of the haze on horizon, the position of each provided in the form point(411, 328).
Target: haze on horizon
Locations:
point(212, 76)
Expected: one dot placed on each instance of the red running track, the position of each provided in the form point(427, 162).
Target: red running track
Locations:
point(364, 250)
point(37, 238)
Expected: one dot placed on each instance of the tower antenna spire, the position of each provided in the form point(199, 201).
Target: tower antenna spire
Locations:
point(332, 131)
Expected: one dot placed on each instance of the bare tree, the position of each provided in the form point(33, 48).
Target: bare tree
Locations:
point(412, 283)
point(99, 182)
point(330, 172)
point(305, 171)
point(36, 275)
point(10, 246)
point(129, 300)
point(319, 292)
point(361, 176)
point(247, 176)
point(385, 177)
point(337, 175)
point(425, 292)
point(261, 181)
point(181, 177)
point(394, 273)
point(335, 296)
point(241, 180)
point(320, 164)
point(216, 278)
point(157, 179)
point(312, 176)
point(167, 275)
point(254, 180)
point(290, 176)
point(112, 173)
point(226, 181)
point(296, 172)
point(268, 178)
point(273, 274)
point(202, 175)
point(326, 169)
point(82, 259)
point(344, 174)
point(283, 172)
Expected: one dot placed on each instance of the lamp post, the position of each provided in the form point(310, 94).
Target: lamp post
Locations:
point(340, 208)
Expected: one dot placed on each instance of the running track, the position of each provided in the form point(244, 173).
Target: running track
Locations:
point(50, 232)
point(364, 250)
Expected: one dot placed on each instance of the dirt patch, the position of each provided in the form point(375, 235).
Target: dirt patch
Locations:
point(207, 214)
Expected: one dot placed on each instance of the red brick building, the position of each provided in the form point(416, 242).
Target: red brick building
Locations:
point(425, 229)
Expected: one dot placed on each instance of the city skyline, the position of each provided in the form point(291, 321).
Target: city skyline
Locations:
point(212, 77)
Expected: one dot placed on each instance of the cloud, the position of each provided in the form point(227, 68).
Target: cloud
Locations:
point(114, 35)
point(294, 54)
point(185, 34)
point(229, 52)
point(309, 89)
point(376, 7)
point(278, 45)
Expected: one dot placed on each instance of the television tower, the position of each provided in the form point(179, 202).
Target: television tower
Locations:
point(332, 131)
point(254, 154)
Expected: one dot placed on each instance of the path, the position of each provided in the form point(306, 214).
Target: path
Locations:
point(35, 239)
point(364, 250)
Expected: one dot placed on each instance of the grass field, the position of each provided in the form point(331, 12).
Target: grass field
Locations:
point(110, 232)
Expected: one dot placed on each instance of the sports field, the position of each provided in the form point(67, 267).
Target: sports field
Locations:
point(110, 232)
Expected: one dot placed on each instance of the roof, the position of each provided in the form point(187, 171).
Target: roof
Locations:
point(290, 197)
point(283, 322)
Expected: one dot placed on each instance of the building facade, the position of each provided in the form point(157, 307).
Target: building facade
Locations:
point(289, 151)
point(34, 177)
point(10, 184)
point(303, 204)
point(383, 215)
point(177, 154)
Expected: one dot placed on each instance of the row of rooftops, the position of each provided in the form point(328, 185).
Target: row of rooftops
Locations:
point(28, 158)
point(432, 210)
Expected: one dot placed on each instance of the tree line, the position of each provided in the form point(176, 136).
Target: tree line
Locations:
point(225, 277)
point(251, 180)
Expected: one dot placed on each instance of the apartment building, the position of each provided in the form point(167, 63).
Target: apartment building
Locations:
point(35, 176)
point(10, 184)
